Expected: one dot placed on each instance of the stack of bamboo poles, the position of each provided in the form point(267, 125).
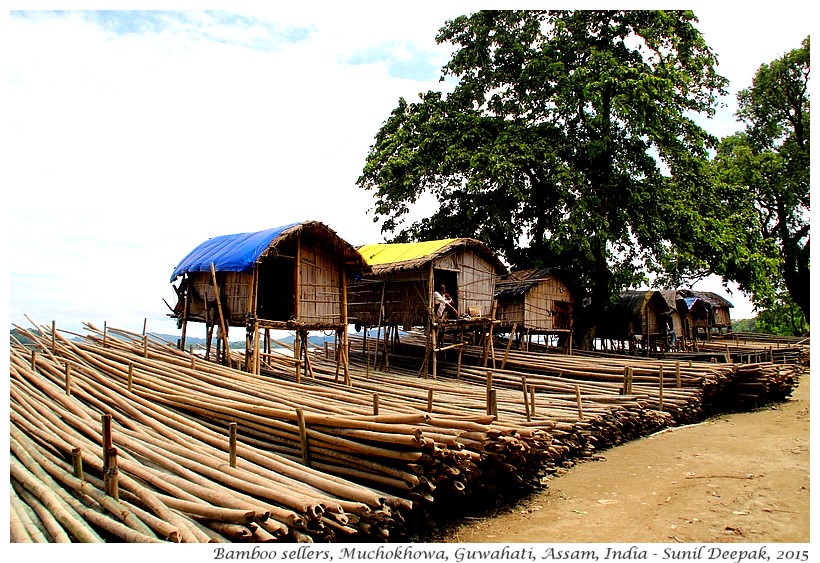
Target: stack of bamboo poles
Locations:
point(690, 390)
point(756, 348)
point(174, 479)
point(312, 458)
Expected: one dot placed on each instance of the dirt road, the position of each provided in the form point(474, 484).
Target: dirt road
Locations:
point(733, 478)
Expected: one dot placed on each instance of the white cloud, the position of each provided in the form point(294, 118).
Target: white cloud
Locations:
point(128, 146)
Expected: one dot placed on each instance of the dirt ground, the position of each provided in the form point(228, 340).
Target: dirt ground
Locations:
point(733, 478)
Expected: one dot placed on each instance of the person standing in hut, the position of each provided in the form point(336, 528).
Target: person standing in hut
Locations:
point(671, 337)
point(442, 301)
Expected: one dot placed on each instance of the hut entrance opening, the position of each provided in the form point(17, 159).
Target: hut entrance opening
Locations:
point(562, 311)
point(278, 300)
point(450, 281)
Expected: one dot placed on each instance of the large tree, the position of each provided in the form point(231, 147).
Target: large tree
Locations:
point(568, 139)
point(769, 163)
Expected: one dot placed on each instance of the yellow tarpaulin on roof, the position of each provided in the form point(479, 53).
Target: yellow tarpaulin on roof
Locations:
point(389, 253)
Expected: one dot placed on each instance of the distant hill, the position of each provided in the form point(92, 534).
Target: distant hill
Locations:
point(287, 340)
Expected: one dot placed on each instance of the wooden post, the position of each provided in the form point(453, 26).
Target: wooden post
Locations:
point(532, 400)
point(677, 374)
point(257, 352)
point(367, 357)
point(109, 455)
point(145, 346)
point(625, 387)
point(306, 349)
point(300, 416)
point(430, 400)
point(489, 392)
point(493, 403)
point(434, 347)
point(526, 402)
point(509, 343)
point(336, 339)
point(53, 335)
point(184, 319)
point(107, 441)
point(344, 331)
point(460, 354)
point(77, 462)
point(33, 360)
point(297, 355)
point(375, 404)
point(111, 477)
point(578, 400)
point(105, 334)
point(232, 444)
point(660, 389)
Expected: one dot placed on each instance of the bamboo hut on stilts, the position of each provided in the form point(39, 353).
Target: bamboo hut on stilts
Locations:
point(289, 278)
point(401, 292)
point(536, 302)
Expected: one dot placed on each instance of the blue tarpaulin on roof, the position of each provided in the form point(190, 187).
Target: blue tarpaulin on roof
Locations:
point(229, 253)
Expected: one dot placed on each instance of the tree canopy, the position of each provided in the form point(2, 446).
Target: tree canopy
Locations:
point(768, 163)
point(568, 139)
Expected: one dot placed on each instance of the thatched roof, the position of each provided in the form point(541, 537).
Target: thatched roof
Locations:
point(634, 300)
point(393, 257)
point(239, 252)
point(520, 282)
point(713, 299)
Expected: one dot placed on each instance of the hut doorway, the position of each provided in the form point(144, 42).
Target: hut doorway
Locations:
point(450, 281)
point(278, 301)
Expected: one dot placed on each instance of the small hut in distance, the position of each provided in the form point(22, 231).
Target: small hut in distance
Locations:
point(636, 319)
point(292, 277)
point(639, 319)
point(536, 302)
point(703, 313)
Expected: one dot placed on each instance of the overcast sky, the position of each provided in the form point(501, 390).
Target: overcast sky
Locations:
point(134, 136)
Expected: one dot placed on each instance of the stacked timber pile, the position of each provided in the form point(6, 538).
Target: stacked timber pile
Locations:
point(690, 390)
point(96, 458)
point(118, 437)
point(756, 348)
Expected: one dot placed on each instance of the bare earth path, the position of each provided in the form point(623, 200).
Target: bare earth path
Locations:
point(734, 478)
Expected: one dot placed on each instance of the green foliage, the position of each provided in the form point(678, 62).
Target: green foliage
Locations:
point(763, 176)
point(783, 318)
point(568, 139)
point(744, 325)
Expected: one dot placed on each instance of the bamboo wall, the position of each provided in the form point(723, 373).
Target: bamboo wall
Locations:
point(234, 289)
point(476, 281)
point(401, 297)
point(546, 306)
point(320, 298)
